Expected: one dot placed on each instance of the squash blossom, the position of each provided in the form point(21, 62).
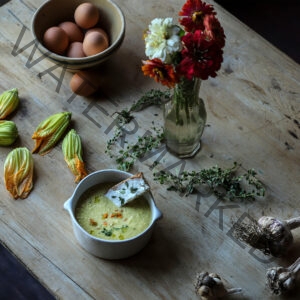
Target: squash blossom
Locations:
point(49, 131)
point(8, 132)
point(9, 100)
point(72, 150)
point(18, 172)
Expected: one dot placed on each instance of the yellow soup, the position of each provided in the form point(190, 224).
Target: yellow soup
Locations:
point(103, 219)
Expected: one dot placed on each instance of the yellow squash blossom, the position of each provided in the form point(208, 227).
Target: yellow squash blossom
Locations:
point(72, 150)
point(8, 132)
point(49, 131)
point(18, 172)
point(9, 100)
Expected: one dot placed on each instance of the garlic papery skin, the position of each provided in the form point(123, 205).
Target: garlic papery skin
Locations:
point(277, 233)
point(209, 286)
point(281, 280)
point(293, 223)
point(269, 234)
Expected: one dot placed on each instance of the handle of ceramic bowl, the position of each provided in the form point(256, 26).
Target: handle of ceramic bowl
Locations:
point(157, 214)
point(67, 205)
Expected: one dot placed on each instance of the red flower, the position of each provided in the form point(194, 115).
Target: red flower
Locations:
point(213, 30)
point(161, 72)
point(202, 52)
point(193, 13)
point(201, 56)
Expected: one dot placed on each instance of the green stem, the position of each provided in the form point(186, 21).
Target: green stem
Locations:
point(185, 95)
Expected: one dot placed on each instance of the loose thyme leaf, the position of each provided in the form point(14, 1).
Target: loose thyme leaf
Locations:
point(224, 183)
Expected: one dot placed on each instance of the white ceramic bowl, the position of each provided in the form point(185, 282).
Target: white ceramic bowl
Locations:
point(53, 12)
point(109, 249)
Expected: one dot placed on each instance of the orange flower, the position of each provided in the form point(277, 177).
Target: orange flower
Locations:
point(160, 72)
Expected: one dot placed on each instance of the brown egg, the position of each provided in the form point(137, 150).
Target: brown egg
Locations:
point(100, 30)
point(56, 40)
point(86, 15)
point(75, 50)
point(74, 33)
point(94, 42)
point(85, 83)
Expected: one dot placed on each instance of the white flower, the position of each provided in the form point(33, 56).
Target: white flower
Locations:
point(162, 40)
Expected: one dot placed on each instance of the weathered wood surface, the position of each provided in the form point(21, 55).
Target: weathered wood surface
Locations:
point(253, 116)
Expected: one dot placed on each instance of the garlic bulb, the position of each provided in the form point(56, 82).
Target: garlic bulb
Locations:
point(210, 287)
point(268, 234)
point(280, 279)
point(278, 233)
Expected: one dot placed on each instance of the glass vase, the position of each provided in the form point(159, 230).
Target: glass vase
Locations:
point(184, 119)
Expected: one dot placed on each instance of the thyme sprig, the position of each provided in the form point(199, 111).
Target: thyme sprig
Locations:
point(128, 156)
point(124, 117)
point(224, 183)
point(151, 97)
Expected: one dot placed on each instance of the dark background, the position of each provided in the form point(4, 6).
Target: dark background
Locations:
point(277, 21)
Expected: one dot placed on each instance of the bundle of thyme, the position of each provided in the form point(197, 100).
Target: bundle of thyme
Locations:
point(224, 183)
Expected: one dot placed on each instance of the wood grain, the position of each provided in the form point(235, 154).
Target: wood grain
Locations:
point(253, 118)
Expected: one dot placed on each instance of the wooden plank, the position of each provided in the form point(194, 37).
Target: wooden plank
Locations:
point(253, 109)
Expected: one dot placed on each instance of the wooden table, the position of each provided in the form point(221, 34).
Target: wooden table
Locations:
point(253, 116)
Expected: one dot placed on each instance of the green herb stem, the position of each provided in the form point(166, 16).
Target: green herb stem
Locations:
point(144, 144)
point(224, 183)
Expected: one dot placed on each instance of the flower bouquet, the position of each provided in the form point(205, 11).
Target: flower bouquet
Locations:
point(179, 57)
